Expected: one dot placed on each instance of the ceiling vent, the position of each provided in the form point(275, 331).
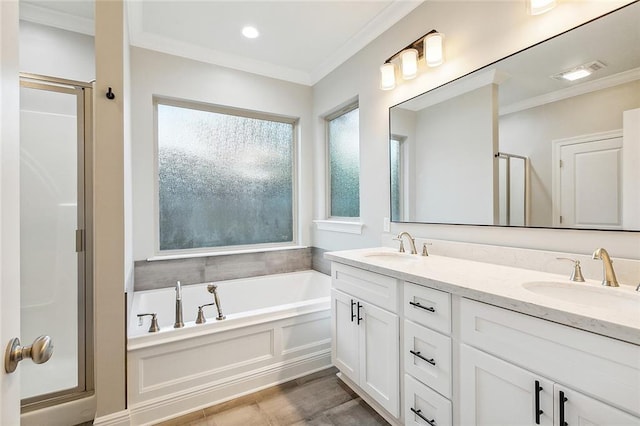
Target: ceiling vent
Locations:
point(579, 72)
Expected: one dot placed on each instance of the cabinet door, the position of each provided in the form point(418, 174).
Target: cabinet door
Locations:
point(379, 356)
point(344, 332)
point(575, 409)
point(494, 392)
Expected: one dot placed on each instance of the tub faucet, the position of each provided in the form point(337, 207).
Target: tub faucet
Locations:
point(213, 289)
point(179, 323)
point(608, 274)
point(412, 242)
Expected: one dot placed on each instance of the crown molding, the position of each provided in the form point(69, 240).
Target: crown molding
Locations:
point(569, 92)
point(52, 18)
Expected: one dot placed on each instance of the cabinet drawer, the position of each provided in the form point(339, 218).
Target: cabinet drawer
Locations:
point(427, 356)
point(428, 307)
point(606, 368)
point(376, 289)
point(421, 401)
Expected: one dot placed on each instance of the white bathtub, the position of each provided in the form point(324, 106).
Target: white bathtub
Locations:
point(277, 327)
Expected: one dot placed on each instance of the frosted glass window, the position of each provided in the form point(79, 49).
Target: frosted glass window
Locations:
point(395, 157)
point(344, 164)
point(223, 179)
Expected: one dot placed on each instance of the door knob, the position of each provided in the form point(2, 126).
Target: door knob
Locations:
point(39, 352)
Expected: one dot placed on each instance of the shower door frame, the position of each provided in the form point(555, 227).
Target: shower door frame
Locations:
point(84, 238)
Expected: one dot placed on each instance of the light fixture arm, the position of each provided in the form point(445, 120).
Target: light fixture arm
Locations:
point(417, 44)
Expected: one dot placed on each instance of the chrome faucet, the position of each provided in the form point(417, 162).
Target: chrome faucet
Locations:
point(179, 323)
point(412, 242)
point(608, 274)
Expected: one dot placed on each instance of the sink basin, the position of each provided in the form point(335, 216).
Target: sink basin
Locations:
point(392, 256)
point(586, 295)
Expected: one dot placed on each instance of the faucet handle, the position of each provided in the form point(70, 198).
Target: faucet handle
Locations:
point(201, 318)
point(424, 249)
point(576, 274)
point(154, 322)
point(401, 244)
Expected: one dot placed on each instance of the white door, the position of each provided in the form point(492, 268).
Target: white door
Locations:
point(494, 392)
point(10, 204)
point(590, 183)
point(574, 408)
point(379, 355)
point(344, 350)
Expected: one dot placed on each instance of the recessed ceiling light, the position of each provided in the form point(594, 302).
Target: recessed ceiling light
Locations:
point(250, 32)
point(582, 71)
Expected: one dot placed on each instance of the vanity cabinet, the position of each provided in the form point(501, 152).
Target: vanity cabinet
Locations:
point(366, 336)
point(427, 352)
point(517, 369)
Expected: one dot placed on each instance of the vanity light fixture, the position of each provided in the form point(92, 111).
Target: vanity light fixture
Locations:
point(429, 47)
point(538, 7)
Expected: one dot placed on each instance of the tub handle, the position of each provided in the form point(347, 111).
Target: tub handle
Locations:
point(154, 322)
point(201, 318)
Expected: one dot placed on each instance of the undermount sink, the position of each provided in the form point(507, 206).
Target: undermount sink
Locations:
point(392, 256)
point(587, 295)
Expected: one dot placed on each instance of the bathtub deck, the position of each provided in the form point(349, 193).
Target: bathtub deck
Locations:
point(316, 399)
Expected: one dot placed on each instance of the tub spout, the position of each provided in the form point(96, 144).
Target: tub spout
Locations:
point(213, 289)
point(179, 322)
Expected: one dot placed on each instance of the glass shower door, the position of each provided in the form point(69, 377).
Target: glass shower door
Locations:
point(53, 283)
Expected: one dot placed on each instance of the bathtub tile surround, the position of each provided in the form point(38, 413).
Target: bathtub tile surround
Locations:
point(318, 261)
point(165, 273)
point(316, 399)
point(627, 270)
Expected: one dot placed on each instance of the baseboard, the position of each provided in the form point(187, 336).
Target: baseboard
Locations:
point(185, 402)
point(121, 418)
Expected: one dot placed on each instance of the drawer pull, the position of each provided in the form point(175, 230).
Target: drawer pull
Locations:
point(561, 401)
point(359, 317)
point(538, 388)
point(353, 316)
point(419, 414)
point(426, 308)
point(430, 361)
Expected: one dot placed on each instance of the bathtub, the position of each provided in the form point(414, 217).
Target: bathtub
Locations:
point(277, 328)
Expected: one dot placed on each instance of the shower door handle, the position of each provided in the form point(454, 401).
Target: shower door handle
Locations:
point(39, 352)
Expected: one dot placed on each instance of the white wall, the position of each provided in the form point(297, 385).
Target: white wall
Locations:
point(56, 53)
point(154, 73)
point(477, 33)
point(455, 142)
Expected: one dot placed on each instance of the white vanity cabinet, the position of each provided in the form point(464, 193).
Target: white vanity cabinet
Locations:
point(427, 353)
point(517, 369)
point(365, 331)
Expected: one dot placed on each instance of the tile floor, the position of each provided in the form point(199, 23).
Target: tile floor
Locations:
point(319, 399)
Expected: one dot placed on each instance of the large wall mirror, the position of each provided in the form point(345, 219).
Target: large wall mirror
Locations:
point(525, 142)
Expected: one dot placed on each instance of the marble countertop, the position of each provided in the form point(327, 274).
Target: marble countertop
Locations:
point(617, 316)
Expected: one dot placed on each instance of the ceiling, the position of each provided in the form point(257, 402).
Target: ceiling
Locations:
point(300, 41)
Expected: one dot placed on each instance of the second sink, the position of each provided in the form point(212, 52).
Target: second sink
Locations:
point(585, 294)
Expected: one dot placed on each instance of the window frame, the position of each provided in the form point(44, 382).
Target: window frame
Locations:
point(239, 112)
point(350, 106)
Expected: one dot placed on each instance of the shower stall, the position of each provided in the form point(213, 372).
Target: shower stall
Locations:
point(513, 189)
point(55, 237)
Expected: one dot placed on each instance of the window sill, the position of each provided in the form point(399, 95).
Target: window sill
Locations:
point(219, 253)
point(339, 226)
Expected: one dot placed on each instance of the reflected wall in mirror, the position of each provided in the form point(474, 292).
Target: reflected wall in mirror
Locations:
point(516, 144)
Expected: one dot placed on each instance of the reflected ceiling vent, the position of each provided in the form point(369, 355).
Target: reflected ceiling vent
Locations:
point(582, 71)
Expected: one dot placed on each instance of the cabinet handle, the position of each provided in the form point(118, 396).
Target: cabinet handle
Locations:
point(353, 316)
point(430, 361)
point(561, 401)
point(538, 388)
point(418, 305)
point(419, 414)
point(359, 318)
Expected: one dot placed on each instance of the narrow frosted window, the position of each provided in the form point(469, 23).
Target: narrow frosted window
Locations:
point(224, 180)
point(396, 179)
point(344, 164)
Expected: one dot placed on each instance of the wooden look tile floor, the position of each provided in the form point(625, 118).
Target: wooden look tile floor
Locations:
point(319, 399)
